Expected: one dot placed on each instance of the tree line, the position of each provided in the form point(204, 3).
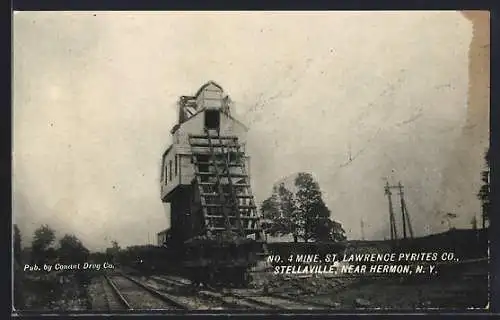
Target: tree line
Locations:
point(302, 214)
point(484, 191)
point(69, 249)
point(46, 288)
point(45, 249)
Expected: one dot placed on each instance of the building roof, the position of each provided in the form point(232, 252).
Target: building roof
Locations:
point(206, 85)
point(177, 126)
point(166, 151)
point(198, 111)
point(162, 232)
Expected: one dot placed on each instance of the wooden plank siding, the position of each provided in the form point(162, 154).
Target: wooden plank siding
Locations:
point(171, 176)
point(180, 151)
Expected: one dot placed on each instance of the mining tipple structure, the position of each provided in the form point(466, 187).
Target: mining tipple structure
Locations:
point(214, 221)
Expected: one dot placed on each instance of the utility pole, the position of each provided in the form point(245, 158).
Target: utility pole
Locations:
point(362, 230)
point(404, 211)
point(474, 222)
point(392, 221)
point(484, 218)
point(405, 217)
point(350, 153)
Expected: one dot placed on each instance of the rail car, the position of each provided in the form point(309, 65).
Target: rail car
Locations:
point(215, 233)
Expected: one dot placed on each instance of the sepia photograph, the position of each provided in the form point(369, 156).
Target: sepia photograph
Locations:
point(250, 161)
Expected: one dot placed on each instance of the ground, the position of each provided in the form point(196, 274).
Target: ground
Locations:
point(396, 294)
point(54, 292)
point(462, 287)
point(58, 293)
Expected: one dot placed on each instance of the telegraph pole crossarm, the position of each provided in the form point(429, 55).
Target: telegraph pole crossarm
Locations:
point(405, 217)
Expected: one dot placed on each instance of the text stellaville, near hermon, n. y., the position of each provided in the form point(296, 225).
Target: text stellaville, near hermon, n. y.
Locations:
point(355, 269)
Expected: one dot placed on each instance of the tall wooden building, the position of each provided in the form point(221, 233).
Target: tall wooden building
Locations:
point(205, 172)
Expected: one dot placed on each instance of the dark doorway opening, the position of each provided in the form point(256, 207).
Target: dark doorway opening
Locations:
point(212, 119)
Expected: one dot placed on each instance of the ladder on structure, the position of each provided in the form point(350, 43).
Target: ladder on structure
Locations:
point(227, 205)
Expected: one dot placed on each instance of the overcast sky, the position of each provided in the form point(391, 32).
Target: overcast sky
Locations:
point(95, 94)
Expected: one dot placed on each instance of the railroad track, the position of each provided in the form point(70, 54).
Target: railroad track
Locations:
point(248, 299)
point(188, 297)
point(227, 301)
point(113, 298)
point(134, 295)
